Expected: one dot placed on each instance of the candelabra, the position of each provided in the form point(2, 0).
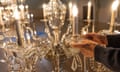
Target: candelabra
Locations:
point(54, 14)
point(24, 48)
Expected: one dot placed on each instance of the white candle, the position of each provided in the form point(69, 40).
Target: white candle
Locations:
point(114, 8)
point(1, 19)
point(16, 14)
point(44, 11)
point(89, 10)
point(26, 7)
point(70, 10)
point(21, 1)
point(22, 11)
point(75, 19)
point(31, 15)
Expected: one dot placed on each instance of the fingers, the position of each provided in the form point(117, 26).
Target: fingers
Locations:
point(100, 39)
point(88, 44)
point(89, 35)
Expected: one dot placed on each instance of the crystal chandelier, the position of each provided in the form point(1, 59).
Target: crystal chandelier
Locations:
point(24, 48)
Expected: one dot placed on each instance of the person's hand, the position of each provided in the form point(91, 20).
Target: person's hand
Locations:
point(86, 47)
point(100, 39)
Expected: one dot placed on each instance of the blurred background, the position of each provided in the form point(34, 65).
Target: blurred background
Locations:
point(101, 11)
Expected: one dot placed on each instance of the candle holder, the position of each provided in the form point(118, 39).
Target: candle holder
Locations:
point(55, 13)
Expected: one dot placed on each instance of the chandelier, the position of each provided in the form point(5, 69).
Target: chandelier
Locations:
point(25, 47)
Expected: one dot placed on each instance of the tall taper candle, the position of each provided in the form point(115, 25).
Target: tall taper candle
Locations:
point(114, 8)
point(22, 8)
point(75, 20)
point(70, 10)
point(89, 10)
point(44, 12)
point(1, 19)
